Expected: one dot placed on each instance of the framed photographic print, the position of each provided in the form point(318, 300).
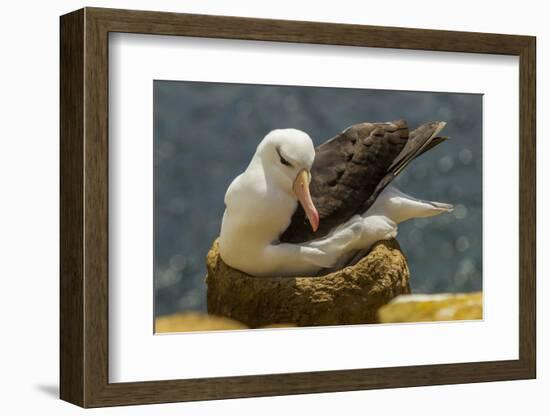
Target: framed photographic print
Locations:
point(255, 207)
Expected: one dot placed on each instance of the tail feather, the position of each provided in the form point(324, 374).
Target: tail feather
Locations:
point(442, 206)
point(434, 142)
point(420, 140)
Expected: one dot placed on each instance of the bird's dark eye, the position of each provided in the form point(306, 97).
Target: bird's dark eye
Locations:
point(284, 161)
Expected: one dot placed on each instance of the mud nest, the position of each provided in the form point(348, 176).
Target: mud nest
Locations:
point(351, 295)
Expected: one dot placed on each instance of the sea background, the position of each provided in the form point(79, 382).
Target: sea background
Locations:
point(206, 133)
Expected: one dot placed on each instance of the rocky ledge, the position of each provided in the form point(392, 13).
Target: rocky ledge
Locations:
point(440, 307)
point(194, 321)
point(352, 295)
point(404, 308)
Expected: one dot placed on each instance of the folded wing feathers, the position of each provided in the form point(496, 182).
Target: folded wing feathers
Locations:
point(420, 141)
point(351, 169)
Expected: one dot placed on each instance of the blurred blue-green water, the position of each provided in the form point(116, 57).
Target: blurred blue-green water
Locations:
point(206, 133)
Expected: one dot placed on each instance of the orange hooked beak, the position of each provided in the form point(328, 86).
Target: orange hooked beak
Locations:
point(301, 190)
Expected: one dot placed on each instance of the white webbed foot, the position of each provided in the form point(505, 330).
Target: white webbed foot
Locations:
point(371, 229)
point(357, 233)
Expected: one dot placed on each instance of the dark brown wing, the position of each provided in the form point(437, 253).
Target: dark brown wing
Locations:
point(351, 169)
point(346, 171)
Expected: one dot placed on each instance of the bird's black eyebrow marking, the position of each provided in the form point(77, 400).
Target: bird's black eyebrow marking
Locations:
point(283, 160)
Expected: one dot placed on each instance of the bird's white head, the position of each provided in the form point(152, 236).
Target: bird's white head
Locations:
point(287, 156)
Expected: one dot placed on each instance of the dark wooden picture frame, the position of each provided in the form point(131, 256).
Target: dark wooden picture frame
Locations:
point(84, 207)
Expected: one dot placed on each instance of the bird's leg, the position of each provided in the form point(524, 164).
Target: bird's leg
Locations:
point(359, 233)
point(356, 234)
point(294, 260)
point(373, 228)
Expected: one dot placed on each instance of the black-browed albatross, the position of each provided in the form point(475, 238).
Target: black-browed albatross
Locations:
point(346, 200)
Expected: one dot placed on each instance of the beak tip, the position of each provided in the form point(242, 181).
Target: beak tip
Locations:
point(301, 190)
point(315, 223)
